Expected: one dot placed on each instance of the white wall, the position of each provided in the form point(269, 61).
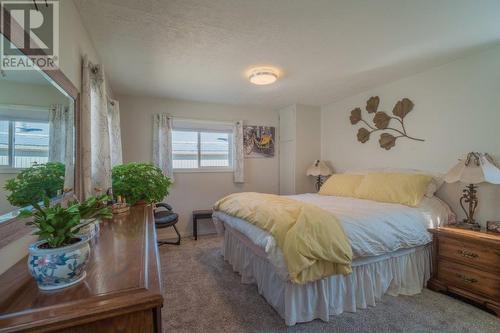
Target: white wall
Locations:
point(192, 191)
point(75, 42)
point(457, 110)
point(21, 93)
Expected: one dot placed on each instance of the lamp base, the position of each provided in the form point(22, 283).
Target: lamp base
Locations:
point(469, 198)
point(319, 182)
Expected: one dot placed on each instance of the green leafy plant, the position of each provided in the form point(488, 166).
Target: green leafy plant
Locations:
point(94, 207)
point(58, 225)
point(35, 183)
point(140, 181)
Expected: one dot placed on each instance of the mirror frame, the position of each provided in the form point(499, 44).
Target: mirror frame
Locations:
point(14, 228)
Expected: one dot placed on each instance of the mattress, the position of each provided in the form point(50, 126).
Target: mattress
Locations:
point(373, 228)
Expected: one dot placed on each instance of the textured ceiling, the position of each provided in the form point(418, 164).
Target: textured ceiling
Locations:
point(327, 49)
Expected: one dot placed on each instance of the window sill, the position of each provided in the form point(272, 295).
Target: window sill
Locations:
point(201, 170)
point(8, 170)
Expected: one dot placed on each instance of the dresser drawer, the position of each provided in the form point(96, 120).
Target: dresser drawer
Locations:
point(469, 278)
point(461, 251)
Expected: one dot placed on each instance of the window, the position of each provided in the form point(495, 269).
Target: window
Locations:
point(31, 143)
point(202, 146)
point(23, 143)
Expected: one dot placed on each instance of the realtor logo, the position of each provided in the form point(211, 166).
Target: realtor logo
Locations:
point(38, 47)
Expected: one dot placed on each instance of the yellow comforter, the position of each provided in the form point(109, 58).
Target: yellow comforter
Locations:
point(312, 240)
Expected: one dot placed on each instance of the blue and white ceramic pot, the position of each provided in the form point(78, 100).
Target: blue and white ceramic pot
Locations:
point(91, 228)
point(60, 267)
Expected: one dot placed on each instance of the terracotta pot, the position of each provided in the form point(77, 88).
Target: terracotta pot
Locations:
point(141, 203)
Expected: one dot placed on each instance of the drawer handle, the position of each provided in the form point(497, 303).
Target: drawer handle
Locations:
point(466, 279)
point(468, 254)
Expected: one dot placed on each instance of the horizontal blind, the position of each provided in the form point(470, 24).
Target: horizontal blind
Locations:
point(24, 113)
point(202, 125)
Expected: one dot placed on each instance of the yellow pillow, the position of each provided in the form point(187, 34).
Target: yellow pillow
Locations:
point(406, 189)
point(342, 185)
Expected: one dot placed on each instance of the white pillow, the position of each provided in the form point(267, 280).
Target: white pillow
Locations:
point(434, 185)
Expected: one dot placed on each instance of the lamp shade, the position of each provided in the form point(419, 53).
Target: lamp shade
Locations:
point(474, 169)
point(319, 168)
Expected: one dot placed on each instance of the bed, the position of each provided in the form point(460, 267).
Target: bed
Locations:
point(391, 254)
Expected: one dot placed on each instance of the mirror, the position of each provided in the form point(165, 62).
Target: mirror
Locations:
point(37, 139)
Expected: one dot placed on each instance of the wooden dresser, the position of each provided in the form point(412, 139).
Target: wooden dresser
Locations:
point(121, 293)
point(467, 263)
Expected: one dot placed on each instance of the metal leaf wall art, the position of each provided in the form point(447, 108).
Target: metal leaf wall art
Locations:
point(381, 121)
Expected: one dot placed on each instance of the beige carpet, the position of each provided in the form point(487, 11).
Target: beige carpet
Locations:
point(203, 294)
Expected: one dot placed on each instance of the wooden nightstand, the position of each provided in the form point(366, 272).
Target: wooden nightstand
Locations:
point(467, 263)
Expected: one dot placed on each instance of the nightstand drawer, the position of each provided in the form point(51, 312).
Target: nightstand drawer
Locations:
point(469, 253)
point(469, 278)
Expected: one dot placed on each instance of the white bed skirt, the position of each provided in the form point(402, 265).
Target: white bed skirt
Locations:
point(403, 273)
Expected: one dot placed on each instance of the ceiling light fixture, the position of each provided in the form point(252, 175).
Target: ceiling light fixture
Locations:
point(263, 76)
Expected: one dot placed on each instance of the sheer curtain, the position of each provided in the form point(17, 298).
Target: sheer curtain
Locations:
point(101, 141)
point(115, 136)
point(61, 140)
point(162, 144)
point(239, 158)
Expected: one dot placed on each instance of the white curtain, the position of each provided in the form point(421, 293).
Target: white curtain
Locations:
point(115, 137)
point(100, 131)
point(162, 144)
point(61, 140)
point(239, 172)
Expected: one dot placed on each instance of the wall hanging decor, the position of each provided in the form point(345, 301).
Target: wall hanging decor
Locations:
point(381, 121)
point(258, 141)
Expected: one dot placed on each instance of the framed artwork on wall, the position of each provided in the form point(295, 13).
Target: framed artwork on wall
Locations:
point(258, 141)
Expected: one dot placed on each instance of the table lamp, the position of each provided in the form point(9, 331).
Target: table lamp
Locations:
point(474, 169)
point(319, 169)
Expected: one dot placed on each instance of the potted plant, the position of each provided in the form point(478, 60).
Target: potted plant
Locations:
point(59, 258)
point(91, 211)
point(35, 183)
point(140, 183)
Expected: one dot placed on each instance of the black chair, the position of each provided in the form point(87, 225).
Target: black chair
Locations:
point(165, 217)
